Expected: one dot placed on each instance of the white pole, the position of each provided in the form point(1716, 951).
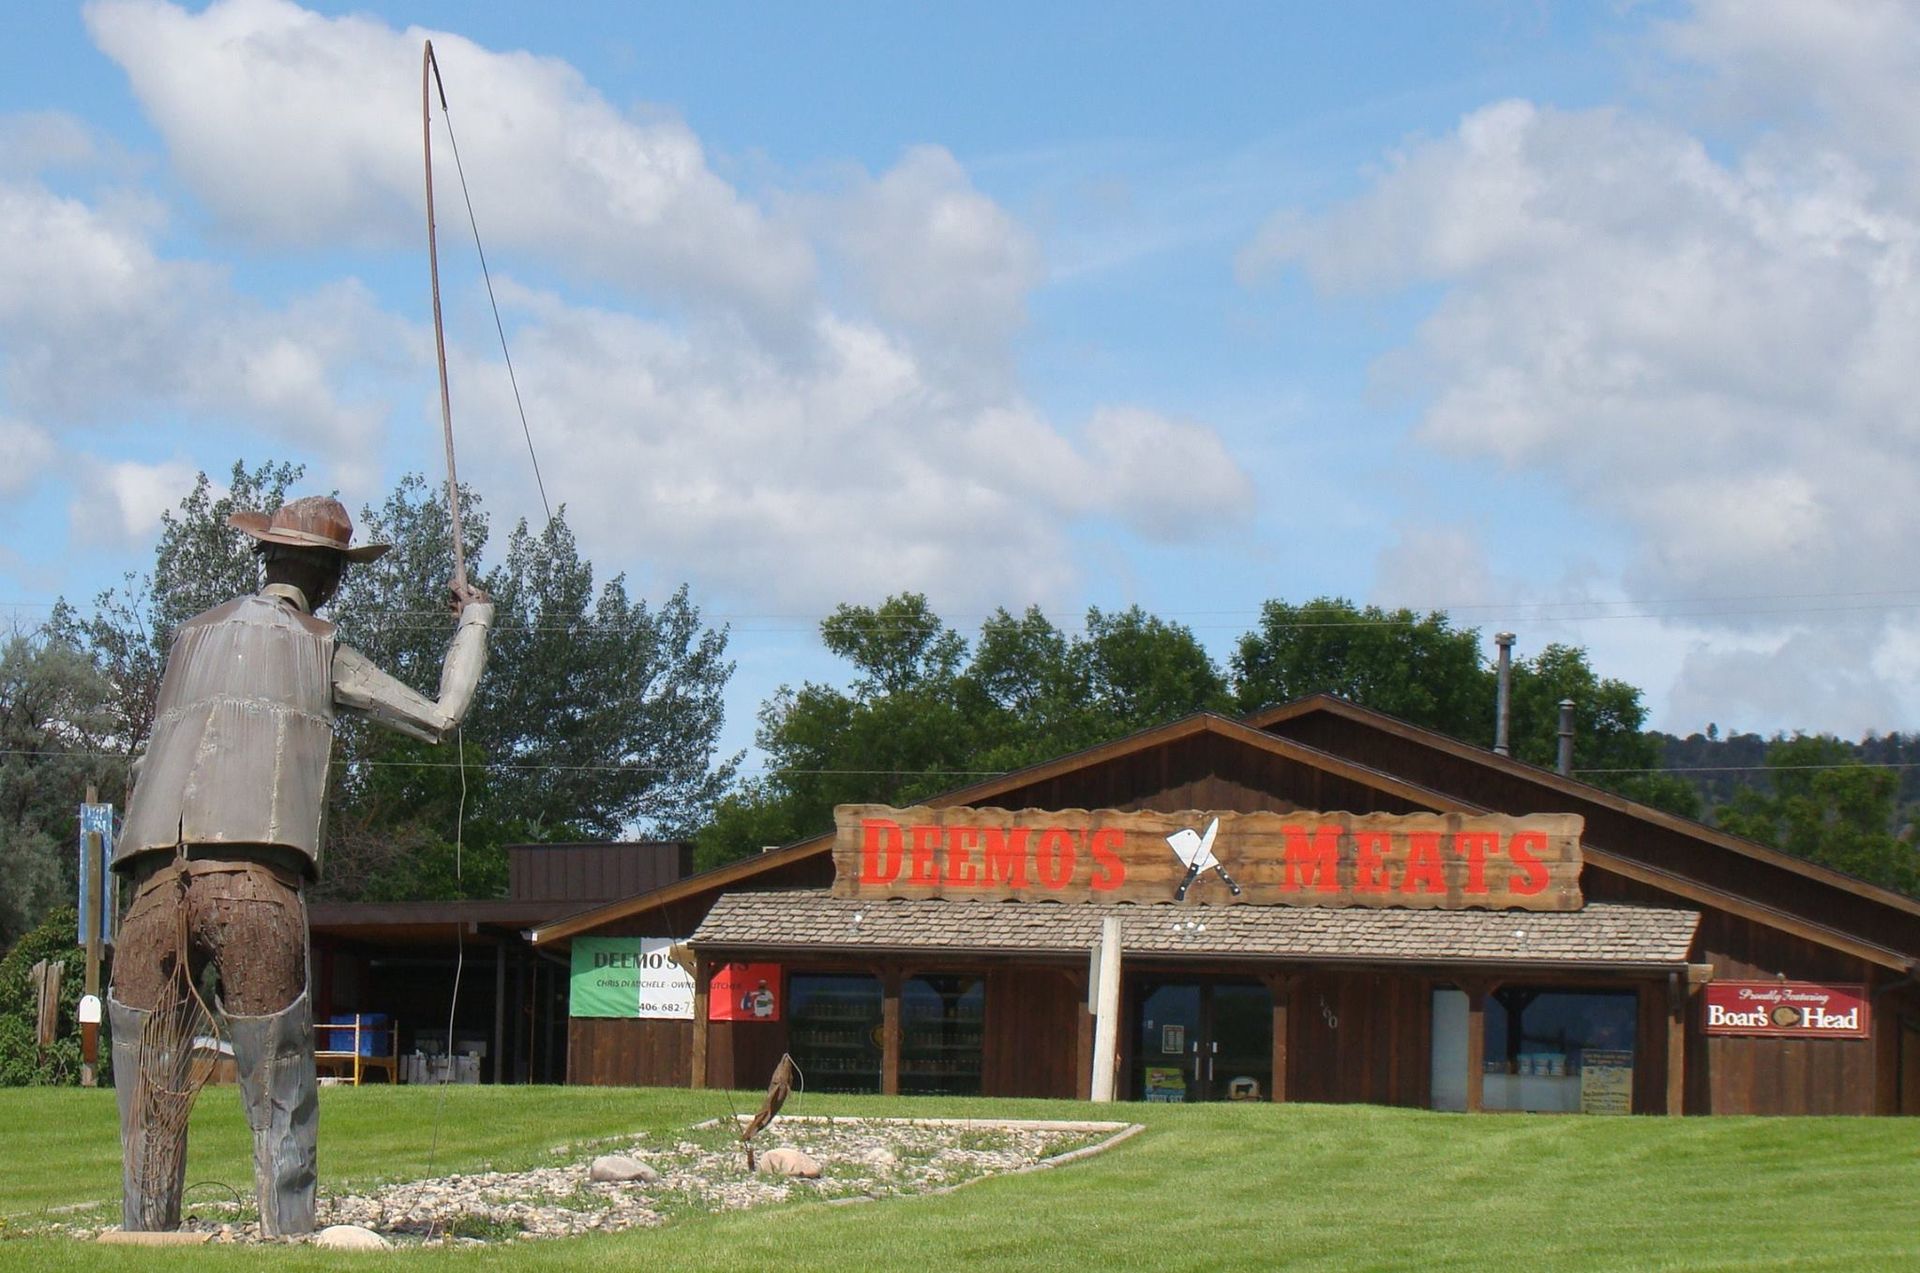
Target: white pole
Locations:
point(1106, 1018)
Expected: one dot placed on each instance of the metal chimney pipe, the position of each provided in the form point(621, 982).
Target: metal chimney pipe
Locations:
point(1566, 737)
point(1503, 697)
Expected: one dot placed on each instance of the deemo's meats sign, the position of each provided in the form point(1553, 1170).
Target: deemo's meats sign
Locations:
point(1787, 1010)
point(630, 977)
point(1437, 861)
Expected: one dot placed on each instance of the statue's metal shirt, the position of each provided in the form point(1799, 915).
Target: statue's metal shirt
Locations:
point(242, 734)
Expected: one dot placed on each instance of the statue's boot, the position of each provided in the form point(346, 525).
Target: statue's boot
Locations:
point(153, 1159)
point(274, 1055)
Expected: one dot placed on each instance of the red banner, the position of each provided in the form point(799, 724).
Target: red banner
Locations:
point(1787, 1010)
point(745, 992)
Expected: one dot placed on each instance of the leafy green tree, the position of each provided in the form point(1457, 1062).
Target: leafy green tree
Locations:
point(54, 733)
point(602, 712)
point(1611, 747)
point(1419, 668)
point(599, 713)
point(1827, 807)
point(199, 563)
point(920, 716)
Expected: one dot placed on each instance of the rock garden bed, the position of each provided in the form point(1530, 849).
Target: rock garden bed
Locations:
point(642, 1181)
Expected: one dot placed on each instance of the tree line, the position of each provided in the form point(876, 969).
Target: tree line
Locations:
point(601, 714)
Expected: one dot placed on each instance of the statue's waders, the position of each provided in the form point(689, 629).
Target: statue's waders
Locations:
point(224, 829)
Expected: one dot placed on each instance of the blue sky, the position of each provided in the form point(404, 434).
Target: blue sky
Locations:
point(1593, 322)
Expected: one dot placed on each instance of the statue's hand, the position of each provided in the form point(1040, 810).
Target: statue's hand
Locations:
point(466, 594)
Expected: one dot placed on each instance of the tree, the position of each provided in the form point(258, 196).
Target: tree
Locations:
point(920, 717)
point(1827, 807)
point(603, 713)
point(199, 562)
point(54, 728)
point(599, 714)
point(1421, 669)
point(1427, 672)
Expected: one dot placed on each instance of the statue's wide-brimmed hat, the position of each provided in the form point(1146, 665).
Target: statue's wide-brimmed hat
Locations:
point(318, 521)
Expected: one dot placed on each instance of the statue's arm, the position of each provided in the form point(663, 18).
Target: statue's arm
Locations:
point(362, 688)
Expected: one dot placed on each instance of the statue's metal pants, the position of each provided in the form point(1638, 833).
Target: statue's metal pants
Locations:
point(248, 923)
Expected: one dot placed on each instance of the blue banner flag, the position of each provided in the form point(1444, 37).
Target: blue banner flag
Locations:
point(97, 817)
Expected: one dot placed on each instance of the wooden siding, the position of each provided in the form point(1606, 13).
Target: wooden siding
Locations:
point(1032, 1036)
point(620, 1052)
point(743, 1054)
point(1360, 1037)
point(587, 873)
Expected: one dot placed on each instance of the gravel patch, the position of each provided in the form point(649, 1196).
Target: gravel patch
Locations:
point(700, 1170)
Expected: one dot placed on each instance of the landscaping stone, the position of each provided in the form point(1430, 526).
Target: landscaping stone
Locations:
point(621, 1168)
point(350, 1237)
point(790, 1162)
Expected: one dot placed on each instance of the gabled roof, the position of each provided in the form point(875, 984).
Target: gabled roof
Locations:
point(1277, 717)
point(1603, 935)
point(1256, 733)
point(734, 873)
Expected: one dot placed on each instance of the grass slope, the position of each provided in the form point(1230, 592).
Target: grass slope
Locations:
point(1307, 1187)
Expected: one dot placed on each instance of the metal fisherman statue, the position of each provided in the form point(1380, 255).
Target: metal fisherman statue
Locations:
point(224, 828)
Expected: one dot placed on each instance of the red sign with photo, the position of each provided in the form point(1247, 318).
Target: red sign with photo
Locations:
point(1787, 1010)
point(745, 992)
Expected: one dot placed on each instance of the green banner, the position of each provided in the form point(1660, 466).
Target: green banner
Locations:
point(629, 977)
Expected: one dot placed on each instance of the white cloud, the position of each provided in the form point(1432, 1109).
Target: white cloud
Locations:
point(28, 450)
point(301, 129)
point(806, 481)
point(1712, 350)
point(134, 496)
point(1170, 480)
point(933, 254)
point(98, 327)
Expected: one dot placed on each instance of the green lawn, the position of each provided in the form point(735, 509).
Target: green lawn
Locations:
point(1310, 1187)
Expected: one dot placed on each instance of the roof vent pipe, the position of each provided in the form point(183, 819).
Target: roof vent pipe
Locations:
point(1503, 700)
point(1565, 765)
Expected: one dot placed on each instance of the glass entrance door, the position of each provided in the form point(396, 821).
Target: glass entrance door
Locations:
point(1202, 1041)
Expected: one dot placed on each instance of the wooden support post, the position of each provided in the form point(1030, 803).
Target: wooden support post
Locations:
point(1083, 1046)
point(499, 1012)
point(1884, 1015)
point(1476, 1046)
point(702, 988)
point(1676, 1043)
point(890, 978)
point(96, 893)
point(1281, 988)
point(1106, 1022)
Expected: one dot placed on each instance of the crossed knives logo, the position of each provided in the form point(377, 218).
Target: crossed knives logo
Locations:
point(1195, 852)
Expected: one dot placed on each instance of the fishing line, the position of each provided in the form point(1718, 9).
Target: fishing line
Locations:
point(454, 143)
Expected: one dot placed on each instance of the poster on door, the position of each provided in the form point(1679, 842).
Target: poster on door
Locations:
point(745, 992)
point(1165, 1083)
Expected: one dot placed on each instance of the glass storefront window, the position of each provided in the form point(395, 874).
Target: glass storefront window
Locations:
point(1545, 1045)
point(835, 1031)
point(943, 1020)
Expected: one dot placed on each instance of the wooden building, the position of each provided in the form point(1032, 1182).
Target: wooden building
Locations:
point(1666, 967)
point(402, 961)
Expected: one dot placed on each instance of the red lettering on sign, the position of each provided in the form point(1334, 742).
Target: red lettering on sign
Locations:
point(1369, 861)
point(925, 866)
point(1476, 845)
point(1423, 864)
point(960, 865)
point(1531, 876)
point(879, 851)
point(1055, 858)
point(1007, 856)
point(1314, 862)
point(1109, 872)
